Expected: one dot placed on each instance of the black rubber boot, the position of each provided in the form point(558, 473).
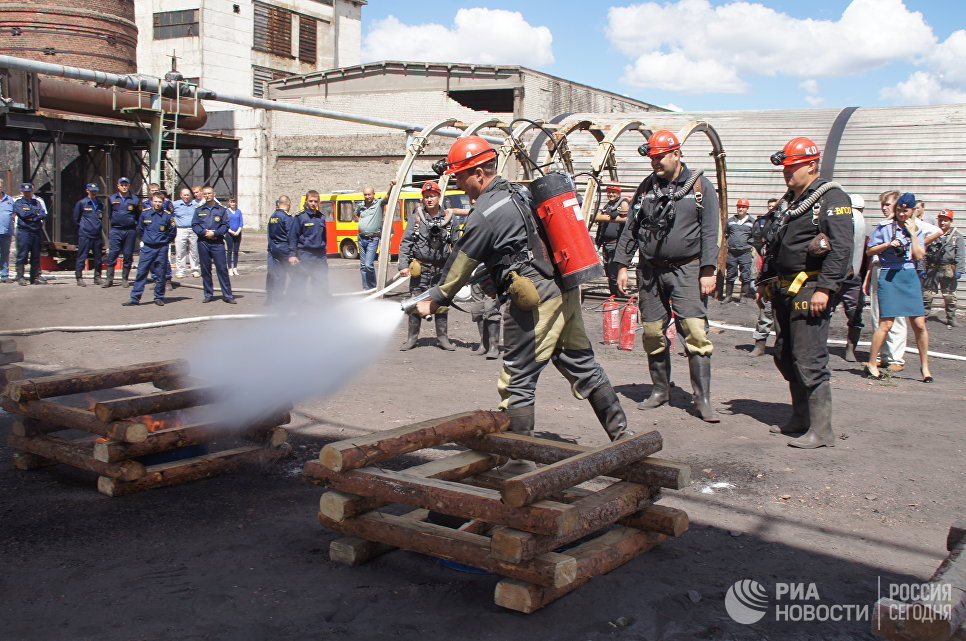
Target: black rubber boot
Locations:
point(700, 367)
point(798, 423)
point(759, 348)
point(819, 432)
point(80, 279)
point(110, 278)
point(492, 328)
point(442, 340)
point(125, 272)
point(97, 277)
point(729, 291)
point(411, 338)
point(741, 293)
point(851, 342)
point(20, 279)
point(522, 420)
point(951, 313)
point(479, 351)
point(660, 368)
point(609, 412)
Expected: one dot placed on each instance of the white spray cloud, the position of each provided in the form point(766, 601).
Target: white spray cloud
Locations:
point(273, 361)
point(694, 47)
point(485, 36)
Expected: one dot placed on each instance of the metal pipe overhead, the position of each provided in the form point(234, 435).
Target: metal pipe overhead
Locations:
point(170, 90)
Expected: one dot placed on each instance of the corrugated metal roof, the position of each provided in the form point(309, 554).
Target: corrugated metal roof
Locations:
point(917, 149)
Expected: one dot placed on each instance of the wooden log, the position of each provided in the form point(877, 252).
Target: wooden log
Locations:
point(359, 452)
point(7, 345)
point(79, 419)
point(649, 471)
point(11, 357)
point(10, 373)
point(79, 383)
point(353, 550)
point(454, 499)
point(463, 547)
point(595, 512)
point(668, 521)
point(27, 461)
point(192, 469)
point(184, 436)
point(76, 454)
point(178, 381)
point(32, 427)
point(526, 488)
point(155, 403)
point(340, 505)
point(597, 556)
point(494, 479)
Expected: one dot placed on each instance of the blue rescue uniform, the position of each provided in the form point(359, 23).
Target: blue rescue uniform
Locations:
point(168, 206)
point(30, 228)
point(307, 236)
point(212, 218)
point(280, 249)
point(124, 212)
point(157, 230)
point(89, 217)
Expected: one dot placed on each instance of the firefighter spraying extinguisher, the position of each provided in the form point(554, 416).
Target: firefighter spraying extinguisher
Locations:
point(628, 326)
point(611, 321)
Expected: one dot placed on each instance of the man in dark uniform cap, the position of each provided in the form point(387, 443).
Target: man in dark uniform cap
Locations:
point(423, 250)
point(211, 225)
point(308, 237)
point(673, 222)
point(808, 257)
point(501, 233)
point(157, 229)
point(89, 217)
point(30, 212)
point(124, 208)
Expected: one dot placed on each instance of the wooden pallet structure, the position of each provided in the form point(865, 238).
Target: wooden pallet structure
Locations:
point(122, 431)
point(469, 512)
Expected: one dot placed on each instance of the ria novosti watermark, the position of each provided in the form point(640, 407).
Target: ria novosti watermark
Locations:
point(748, 602)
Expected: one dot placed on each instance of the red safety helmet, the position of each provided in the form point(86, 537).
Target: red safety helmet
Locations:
point(660, 143)
point(613, 189)
point(431, 185)
point(796, 151)
point(743, 202)
point(468, 152)
point(946, 213)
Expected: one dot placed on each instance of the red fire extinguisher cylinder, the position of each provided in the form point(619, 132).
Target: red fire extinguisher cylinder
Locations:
point(611, 321)
point(628, 326)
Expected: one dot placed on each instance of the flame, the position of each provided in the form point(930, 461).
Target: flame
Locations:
point(156, 424)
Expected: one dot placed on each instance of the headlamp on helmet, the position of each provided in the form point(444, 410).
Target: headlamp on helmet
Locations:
point(796, 151)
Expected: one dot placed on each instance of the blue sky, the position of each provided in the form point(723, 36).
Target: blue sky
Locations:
point(699, 55)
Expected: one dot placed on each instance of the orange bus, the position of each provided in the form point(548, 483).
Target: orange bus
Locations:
point(342, 232)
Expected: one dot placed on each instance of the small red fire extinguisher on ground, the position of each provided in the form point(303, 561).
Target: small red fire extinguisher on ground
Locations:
point(628, 327)
point(611, 321)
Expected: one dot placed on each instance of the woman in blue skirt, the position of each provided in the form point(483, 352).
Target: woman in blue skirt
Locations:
point(899, 245)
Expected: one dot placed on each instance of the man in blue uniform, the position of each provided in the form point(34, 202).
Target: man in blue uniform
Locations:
point(307, 236)
point(6, 231)
point(157, 230)
point(124, 209)
point(281, 252)
point(30, 228)
point(89, 217)
point(211, 225)
point(168, 206)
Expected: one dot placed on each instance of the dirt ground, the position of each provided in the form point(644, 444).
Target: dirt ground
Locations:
point(243, 557)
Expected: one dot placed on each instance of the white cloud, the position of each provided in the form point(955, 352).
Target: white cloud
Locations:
point(745, 38)
point(943, 79)
point(485, 36)
point(810, 86)
point(815, 101)
point(671, 107)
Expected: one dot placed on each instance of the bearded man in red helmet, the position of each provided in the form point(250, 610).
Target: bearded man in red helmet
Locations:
point(543, 321)
point(673, 222)
point(808, 258)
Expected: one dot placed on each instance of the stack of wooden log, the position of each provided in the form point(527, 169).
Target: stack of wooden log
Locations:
point(519, 527)
point(123, 430)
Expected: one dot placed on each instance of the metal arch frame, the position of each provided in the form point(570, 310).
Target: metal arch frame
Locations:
point(718, 154)
point(517, 150)
point(473, 130)
point(562, 148)
point(605, 152)
point(417, 144)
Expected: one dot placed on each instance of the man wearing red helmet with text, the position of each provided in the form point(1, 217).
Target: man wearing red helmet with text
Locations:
point(610, 223)
point(423, 250)
point(808, 258)
point(673, 222)
point(543, 321)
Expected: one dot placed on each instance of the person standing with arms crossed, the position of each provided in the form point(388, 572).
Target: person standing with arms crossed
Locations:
point(89, 218)
point(211, 224)
point(31, 214)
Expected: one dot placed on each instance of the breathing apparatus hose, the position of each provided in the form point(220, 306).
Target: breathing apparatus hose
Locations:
point(807, 204)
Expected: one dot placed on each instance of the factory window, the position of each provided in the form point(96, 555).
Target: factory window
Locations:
point(261, 76)
point(176, 24)
point(308, 39)
point(491, 100)
point(273, 30)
